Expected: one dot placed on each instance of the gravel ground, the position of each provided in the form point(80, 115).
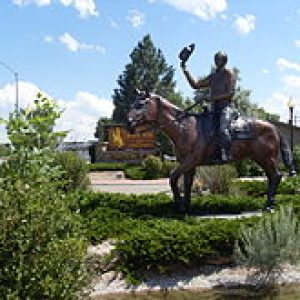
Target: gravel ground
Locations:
point(204, 277)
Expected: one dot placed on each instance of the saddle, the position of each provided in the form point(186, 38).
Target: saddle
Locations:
point(240, 126)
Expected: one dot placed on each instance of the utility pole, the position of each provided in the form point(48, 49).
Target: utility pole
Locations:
point(16, 78)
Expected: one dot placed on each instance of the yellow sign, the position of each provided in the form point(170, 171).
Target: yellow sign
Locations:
point(120, 138)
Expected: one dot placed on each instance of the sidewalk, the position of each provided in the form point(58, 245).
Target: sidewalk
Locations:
point(114, 182)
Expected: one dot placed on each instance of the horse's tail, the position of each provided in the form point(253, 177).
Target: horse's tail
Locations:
point(287, 155)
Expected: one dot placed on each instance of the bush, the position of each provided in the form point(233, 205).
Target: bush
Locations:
point(4, 150)
point(248, 168)
point(275, 241)
point(135, 172)
point(75, 170)
point(103, 166)
point(152, 166)
point(159, 245)
point(296, 153)
point(218, 179)
point(255, 188)
point(42, 250)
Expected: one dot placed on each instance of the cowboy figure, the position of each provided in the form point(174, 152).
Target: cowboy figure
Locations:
point(222, 85)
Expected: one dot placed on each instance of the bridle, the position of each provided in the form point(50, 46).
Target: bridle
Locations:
point(155, 126)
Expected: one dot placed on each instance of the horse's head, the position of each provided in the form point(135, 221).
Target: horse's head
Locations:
point(143, 111)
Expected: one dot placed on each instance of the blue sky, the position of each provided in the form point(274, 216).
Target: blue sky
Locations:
point(74, 50)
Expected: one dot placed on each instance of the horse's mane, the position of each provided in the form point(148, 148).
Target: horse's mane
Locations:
point(169, 104)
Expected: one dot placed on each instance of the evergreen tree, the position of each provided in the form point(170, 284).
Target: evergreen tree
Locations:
point(147, 70)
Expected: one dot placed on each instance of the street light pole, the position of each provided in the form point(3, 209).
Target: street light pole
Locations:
point(291, 105)
point(16, 77)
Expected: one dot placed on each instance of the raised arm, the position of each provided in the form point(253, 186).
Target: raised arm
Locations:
point(195, 84)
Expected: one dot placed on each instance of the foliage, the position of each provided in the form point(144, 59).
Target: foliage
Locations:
point(289, 185)
point(42, 251)
point(156, 168)
point(275, 241)
point(100, 132)
point(218, 179)
point(31, 129)
point(111, 215)
point(152, 235)
point(296, 153)
point(147, 70)
point(243, 105)
point(4, 150)
point(160, 244)
point(135, 172)
point(74, 170)
point(248, 167)
point(109, 166)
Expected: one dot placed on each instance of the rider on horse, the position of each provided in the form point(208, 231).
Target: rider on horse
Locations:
point(222, 85)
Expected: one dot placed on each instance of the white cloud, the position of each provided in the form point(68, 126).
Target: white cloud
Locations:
point(284, 64)
point(292, 81)
point(74, 45)
point(136, 18)
point(81, 114)
point(79, 117)
point(244, 25)
point(297, 43)
point(85, 8)
point(278, 103)
point(203, 9)
point(36, 2)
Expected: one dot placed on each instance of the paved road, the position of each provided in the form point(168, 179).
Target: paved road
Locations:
point(114, 182)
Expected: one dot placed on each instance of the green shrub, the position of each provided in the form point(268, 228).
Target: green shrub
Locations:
point(159, 244)
point(218, 179)
point(75, 170)
point(167, 167)
point(107, 166)
point(274, 242)
point(4, 150)
point(219, 204)
point(135, 172)
point(296, 153)
point(42, 250)
point(289, 185)
point(152, 166)
point(248, 168)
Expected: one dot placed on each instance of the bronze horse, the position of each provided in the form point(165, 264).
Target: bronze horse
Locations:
point(192, 148)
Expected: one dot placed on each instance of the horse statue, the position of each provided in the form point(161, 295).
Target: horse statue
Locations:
point(194, 143)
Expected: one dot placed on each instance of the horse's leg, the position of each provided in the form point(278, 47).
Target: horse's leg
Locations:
point(274, 178)
point(174, 176)
point(188, 182)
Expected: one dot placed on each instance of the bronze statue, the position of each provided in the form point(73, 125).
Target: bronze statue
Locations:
point(222, 84)
point(194, 145)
